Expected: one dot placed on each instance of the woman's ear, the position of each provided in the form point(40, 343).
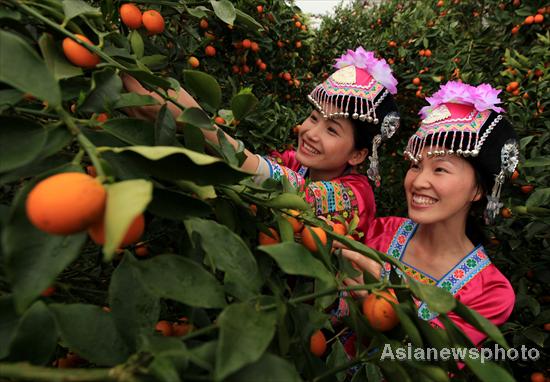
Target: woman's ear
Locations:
point(358, 156)
point(479, 194)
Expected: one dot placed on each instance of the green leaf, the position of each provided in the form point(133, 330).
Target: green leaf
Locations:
point(269, 368)
point(36, 336)
point(56, 62)
point(21, 140)
point(539, 198)
point(295, 259)
point(481, 323)
point(243, 104)
point(133, 99)
point(132, 131)
point(537, 162)
point(23, 69)
point(198, 12)
point(487, 371)
point(135, 309)
point(91, 333)
point(9, 320)
point(104, 92)
point(165, 128)
point(228, 252)
point(137, 43)
point(408, 325)
point(180, 279)
point(204, 86)
point(125, 201)
point(287, 200)
point(337, 357)
point(225, 10)
point(245, 334)
point(74, 8)
point(248, 21)
point(176, 205)
point(179, 163)
point(34, 258)
point(438, 299)
point(196, 117)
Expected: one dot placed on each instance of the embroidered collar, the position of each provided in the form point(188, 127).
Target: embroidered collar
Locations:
point(453, 281)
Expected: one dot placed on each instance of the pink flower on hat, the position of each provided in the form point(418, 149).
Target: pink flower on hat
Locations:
point(482, 97)
point(377, 68)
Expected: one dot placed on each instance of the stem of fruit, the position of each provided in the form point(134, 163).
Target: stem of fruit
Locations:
point(61, 29)
point(84, 142)
point(27, 372)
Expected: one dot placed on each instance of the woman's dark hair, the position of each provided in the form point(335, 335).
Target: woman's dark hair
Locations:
point(474, 226)
point(363, 131)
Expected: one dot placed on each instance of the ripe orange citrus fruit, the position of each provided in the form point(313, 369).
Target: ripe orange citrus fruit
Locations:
point(49, 291)
point(538, 19)
point(260, 8)
point(219, 120)
point(307, 237)
point(247, 43)
point(78, 54)
point(164, 327)
point(265, 239)
point(153, 21)
point(416, 81)
point(526, 189)
point(181, 327)
point(193, 61)
point(210, 51)
point(142, 250)
point(318, 344)
point(546, 327)
point(340, 229)
point(538, 377)
point(296, 224)
point(254, 46)
point(66, 203)
point(203, 24)
point(529, 20)
point(130, 15)
point(506, 213)
point(379, 312)
point(97, 232)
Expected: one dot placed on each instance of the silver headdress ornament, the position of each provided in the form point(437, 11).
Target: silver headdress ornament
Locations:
point(509, 159)
point(390, 125)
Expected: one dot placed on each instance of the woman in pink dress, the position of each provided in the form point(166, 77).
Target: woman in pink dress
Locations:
point(354, 111)
point(460, 157)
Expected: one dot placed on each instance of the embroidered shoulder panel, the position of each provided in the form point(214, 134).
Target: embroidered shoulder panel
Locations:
point(332, 198)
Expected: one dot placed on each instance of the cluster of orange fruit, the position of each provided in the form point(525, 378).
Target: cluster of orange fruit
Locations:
point(533, 19)
point(72, 202)
point(132, 17)
point(179, 328)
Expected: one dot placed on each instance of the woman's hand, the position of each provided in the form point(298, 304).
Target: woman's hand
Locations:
point(363, 264)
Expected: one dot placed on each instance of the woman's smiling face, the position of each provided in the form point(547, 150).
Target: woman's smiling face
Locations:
point(327, 146)
point(440, 188)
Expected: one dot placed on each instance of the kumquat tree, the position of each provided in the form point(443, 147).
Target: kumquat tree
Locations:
point(135, 250)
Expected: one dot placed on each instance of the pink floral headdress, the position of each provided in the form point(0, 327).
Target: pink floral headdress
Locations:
point(377, 68)
point(482, 97)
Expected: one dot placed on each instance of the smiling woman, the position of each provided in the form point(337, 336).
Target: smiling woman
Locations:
point(354, 112)
point(461, 154)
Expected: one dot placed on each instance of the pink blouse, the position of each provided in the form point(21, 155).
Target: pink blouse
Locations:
point(474, 280)
point(346, 196)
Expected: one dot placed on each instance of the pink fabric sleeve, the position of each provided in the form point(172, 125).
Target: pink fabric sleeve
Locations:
point(381, 232)
point(491, 295)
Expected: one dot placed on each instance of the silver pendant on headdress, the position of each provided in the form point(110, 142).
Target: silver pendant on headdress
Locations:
point(509, 159)
point(390, 124)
